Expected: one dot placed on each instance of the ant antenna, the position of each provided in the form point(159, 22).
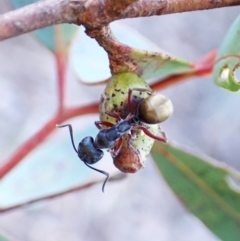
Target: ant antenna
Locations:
point(104, 173)
point(71, 134)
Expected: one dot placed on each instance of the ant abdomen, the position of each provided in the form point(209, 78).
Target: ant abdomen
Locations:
point(88, 152)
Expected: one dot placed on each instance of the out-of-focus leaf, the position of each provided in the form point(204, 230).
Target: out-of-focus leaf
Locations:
point(90, 61)
point(228, 59)
point(52, 168)
point(4, 237)
point(22, 3)
point(53, 37)
point(57, 36)
point(208, 190)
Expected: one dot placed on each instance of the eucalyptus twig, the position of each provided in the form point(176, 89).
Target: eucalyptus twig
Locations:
point(94, 13)
point(118, 53)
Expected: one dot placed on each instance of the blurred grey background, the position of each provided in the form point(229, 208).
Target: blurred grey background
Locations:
point(206, 119)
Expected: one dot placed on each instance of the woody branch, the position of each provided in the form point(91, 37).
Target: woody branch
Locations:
point(94, 14)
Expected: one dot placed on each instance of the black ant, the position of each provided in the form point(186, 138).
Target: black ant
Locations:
point(89, 150)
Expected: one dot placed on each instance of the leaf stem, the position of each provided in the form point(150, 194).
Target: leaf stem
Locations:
point(203, 67)
point(61, 62)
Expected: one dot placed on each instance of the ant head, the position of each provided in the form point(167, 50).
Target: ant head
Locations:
point(136, 120)
point(155, 109)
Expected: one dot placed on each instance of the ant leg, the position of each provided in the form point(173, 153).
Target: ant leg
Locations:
point(71, 134)
point(148, 133)
point(117, 148)
point(114, 115)
point(104, 173)
point(104, 123)
point(130, 104)
point(99, 124)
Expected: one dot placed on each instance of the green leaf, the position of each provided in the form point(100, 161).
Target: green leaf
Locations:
point(204, 187)
point(53, 37)
point(90, 62)
point(159, 65)
point(228, 59)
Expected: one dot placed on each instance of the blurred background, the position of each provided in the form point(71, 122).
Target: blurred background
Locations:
point(141, 207)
